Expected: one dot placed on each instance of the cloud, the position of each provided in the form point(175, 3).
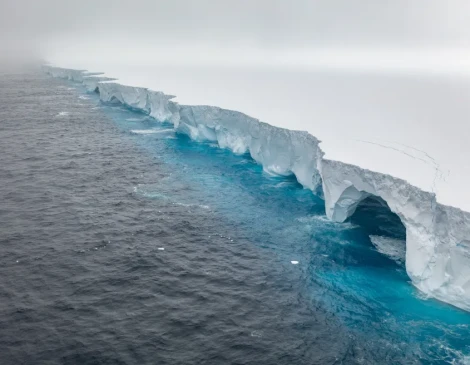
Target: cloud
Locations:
point(260, 24)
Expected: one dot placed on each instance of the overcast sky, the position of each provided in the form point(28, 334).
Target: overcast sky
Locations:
point(44, 26)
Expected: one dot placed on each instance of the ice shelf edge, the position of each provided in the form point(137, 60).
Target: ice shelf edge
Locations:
point(437, 236)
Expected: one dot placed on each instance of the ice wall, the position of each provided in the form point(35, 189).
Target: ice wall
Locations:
point(280, 151)
point(154, 103)
point(91, 82)
point(438, 236)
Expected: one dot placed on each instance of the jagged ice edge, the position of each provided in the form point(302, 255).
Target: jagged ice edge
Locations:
point(437, 236)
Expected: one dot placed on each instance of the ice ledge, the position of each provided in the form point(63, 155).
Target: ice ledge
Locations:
point(437, 236)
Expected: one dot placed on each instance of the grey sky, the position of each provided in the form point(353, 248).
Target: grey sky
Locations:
point(260, 23)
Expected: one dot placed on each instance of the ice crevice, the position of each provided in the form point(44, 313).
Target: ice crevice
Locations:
point(437, 236)
point(426, 159)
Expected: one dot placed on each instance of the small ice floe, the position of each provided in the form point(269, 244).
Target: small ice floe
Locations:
point(294, 262)
point(391, 247)
point(161, 249)
point(151, 131)
point(202, 206)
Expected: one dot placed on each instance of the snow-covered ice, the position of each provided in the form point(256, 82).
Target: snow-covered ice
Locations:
point(404, 144)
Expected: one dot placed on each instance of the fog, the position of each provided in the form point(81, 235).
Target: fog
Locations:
point(400, 34)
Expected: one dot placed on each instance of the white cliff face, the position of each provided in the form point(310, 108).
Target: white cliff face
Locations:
point(437, 236)
point(91, 82)
point(154, 103)
point(280, 151)
point(72, 75)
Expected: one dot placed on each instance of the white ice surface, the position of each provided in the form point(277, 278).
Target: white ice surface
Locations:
point(377, 131)
point(413, 127)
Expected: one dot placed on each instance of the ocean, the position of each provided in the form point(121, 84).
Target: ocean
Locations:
point(122, 242)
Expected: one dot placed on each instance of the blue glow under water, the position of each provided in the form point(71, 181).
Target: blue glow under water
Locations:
point(339, 268)
point(224, 289)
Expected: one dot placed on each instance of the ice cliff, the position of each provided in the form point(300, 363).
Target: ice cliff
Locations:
point(437, 236)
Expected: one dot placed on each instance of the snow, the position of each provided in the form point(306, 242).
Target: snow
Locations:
point(380, 139)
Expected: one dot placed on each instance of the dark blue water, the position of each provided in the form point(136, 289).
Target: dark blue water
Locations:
point(123, 243)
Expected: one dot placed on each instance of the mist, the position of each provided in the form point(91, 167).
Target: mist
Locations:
point(400, 35)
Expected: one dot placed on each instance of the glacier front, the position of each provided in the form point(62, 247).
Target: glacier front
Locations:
point(437, 235)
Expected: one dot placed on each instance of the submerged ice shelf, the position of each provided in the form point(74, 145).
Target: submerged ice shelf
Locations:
point(437, 235)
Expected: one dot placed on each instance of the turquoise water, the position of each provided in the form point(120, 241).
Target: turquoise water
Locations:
point(125, 243)
point(339, 268)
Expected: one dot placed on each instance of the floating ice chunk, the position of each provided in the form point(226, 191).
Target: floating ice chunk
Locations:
point(151, 131)
point(391, 247)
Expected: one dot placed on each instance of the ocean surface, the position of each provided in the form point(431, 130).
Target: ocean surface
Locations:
point(122, 242)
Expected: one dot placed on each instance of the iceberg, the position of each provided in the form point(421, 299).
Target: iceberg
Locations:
point(437, 236)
